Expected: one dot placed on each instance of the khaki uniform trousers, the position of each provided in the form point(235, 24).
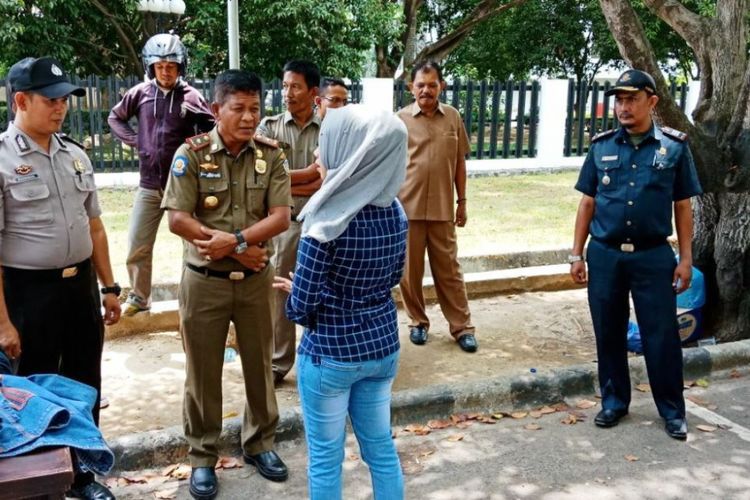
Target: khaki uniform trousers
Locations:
point(144, 224)
point(207, 305)
point(439, 239)
point(284, 331)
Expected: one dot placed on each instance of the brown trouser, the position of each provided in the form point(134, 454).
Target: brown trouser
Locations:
point(284, 331)
point(144, 224)
point(207, 305)
point(439, 239)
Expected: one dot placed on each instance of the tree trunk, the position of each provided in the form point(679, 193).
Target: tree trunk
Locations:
point(720, 142)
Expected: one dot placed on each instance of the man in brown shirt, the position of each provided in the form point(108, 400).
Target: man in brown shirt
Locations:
point(438, 145)
point(228, 194)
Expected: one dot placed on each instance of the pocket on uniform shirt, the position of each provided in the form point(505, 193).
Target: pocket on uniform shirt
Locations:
point(85, 182)
point(31, 203)
point(213, 194)
point(256, 195)
point(662, 172)
point(608, 173)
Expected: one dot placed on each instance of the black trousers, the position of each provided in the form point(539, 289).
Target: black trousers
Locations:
point(60, 324)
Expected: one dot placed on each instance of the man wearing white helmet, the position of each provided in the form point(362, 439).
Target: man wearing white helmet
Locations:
point(168, 112)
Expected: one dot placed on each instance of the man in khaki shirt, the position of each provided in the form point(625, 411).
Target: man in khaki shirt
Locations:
point(438, 146)
point(296, 131)
point(227, 196)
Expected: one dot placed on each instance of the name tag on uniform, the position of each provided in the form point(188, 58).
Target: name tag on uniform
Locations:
point(209, 175)
point(25, 178)
point(609, 158)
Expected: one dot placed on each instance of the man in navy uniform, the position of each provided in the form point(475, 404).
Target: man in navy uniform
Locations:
point(631, 179)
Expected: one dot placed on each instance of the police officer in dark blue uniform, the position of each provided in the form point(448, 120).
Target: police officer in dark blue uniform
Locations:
point(632, 178)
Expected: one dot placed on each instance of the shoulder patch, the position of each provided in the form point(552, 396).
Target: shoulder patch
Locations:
point(602, 135)
point(179, 165)
point(198, 142)
point(674, 134)
point(265, 140)
point(69, 139)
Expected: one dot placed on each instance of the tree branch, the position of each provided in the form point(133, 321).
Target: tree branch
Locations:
point(127, 42)
point(486, 9)
point(686, 23)
point(635, 48)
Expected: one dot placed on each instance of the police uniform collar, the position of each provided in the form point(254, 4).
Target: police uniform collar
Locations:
point(21, 142)
point(416, 109)
point(216, 143)
point(623, 135)
point(314, 119)
point(61, 142)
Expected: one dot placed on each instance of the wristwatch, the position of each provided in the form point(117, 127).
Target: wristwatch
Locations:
point(115, 288)
point(575, 258)
point(241, 243)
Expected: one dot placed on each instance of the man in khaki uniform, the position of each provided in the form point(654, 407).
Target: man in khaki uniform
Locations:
point(438, 145)
point(296, 131)
point(227, 196)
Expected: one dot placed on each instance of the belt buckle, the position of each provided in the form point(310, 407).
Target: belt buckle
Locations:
point(627, 247)
point(236, 275)
point(69, 272)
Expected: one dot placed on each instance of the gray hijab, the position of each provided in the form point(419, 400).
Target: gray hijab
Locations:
point(364, 150)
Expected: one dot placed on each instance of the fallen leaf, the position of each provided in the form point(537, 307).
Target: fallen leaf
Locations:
point(426, 453)
point(706, 428)
point(560, 407)
point(532, 427)
point(585, 404)
point(473, 416)
point(458, 418)
point(735, 374)
point(439, 424)
point(712, 407)
point(643, 387)
point(353, 458)
point(647, 422)
point(228, 463)
point(687, 384)
point(498, 416)
point(519, 414)
point(455, 438)
point(230, 414)
point(631, 458)
point(546, 410)
point(535, 414)
point(166, 494)
point(463, 425)
point(135, 479)
point(696, 400)
point(418, 430)
point(702, 382)
point(168, 470)
point(570, 419)
point(181, 472)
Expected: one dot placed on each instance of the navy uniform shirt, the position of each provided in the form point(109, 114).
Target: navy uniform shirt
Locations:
point(634, 187)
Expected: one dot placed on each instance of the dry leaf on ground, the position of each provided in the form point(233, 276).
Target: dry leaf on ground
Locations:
point(135, 479)
point(735, 374)
point(182, 471)
point(486, 419)
point(560, 407)
point(687, 384)
point(463, 425)
point(643, 387)
point(228, 463)
point(535, 414)
point(166, 494)
point(498, 416)
point(418, 430)
point(702, 382)
point(546, 410)
point(519, 414)
point(585, 404)
point(570, 419)
point(706, 428)
point(230, 414)
point(169, 469)
point(532, 427)
point(455, 438)
point(631, 458)
point(353, 458)
point(439, 424)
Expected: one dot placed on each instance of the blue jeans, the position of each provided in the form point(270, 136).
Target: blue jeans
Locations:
point(329, 390)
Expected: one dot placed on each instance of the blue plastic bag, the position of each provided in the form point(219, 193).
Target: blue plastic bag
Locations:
point(634, 338)
point(695, 296)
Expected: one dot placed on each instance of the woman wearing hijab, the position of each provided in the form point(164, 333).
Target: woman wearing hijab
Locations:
point(350, 256)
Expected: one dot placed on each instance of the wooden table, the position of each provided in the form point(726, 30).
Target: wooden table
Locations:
point(43, 475)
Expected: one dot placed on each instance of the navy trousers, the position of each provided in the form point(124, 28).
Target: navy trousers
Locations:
point(647, 275)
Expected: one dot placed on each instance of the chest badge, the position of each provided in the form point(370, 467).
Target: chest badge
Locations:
point(179, 166)
point(24, 169)
point(260, 166)
point(78, 166)
point(663, 151)
point(606, 180)
point(211, 202)
point(209, 167)
point(258, 153)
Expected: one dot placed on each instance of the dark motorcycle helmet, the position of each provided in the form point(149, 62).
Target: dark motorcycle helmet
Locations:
point(164, 47)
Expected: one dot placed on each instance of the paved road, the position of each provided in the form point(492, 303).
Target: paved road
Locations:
point(635, 460)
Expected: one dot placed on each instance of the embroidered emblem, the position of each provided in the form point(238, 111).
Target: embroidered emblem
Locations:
point(22, 143)
point(55, 70)
point(179, 166)
point(210, 167)
point(260, 166)
point(79, 166)
point(24, 169)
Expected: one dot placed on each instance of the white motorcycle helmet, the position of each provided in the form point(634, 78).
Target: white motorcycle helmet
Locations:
point(164, 47)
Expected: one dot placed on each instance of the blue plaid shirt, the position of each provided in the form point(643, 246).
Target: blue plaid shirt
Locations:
point(342, 288)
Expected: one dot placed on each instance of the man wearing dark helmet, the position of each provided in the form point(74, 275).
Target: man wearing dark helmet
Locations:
point(168, 112)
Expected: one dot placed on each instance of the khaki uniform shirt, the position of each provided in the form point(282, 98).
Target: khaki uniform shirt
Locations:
point(435, 144)
point(224, 192)
point(46, 201)
point(298, 145)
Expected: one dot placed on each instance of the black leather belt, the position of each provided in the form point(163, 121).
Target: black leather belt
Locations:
point(631, 247)
point(46, 275)
point(227, 275)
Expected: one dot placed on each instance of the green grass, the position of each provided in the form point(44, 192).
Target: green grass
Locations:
point(506, 214)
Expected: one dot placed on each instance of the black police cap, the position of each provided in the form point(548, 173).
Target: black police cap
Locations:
point(633, 80)
point(43, 76)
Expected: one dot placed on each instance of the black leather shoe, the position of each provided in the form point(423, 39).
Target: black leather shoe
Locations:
point(468, 343)
point(269, 465)
point(204, 484)
point(418, 335)
point(609, 418)
point(677, 428)
point(91, 491)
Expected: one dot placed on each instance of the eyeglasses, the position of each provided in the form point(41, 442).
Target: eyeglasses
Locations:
point(336, 101)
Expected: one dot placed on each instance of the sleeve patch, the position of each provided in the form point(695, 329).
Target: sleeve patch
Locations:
point(179, 165)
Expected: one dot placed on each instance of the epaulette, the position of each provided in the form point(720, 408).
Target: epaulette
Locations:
point(199, 141)
point(674, 134)
point(265, 140)
point(602, 135)
point(69, 139)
